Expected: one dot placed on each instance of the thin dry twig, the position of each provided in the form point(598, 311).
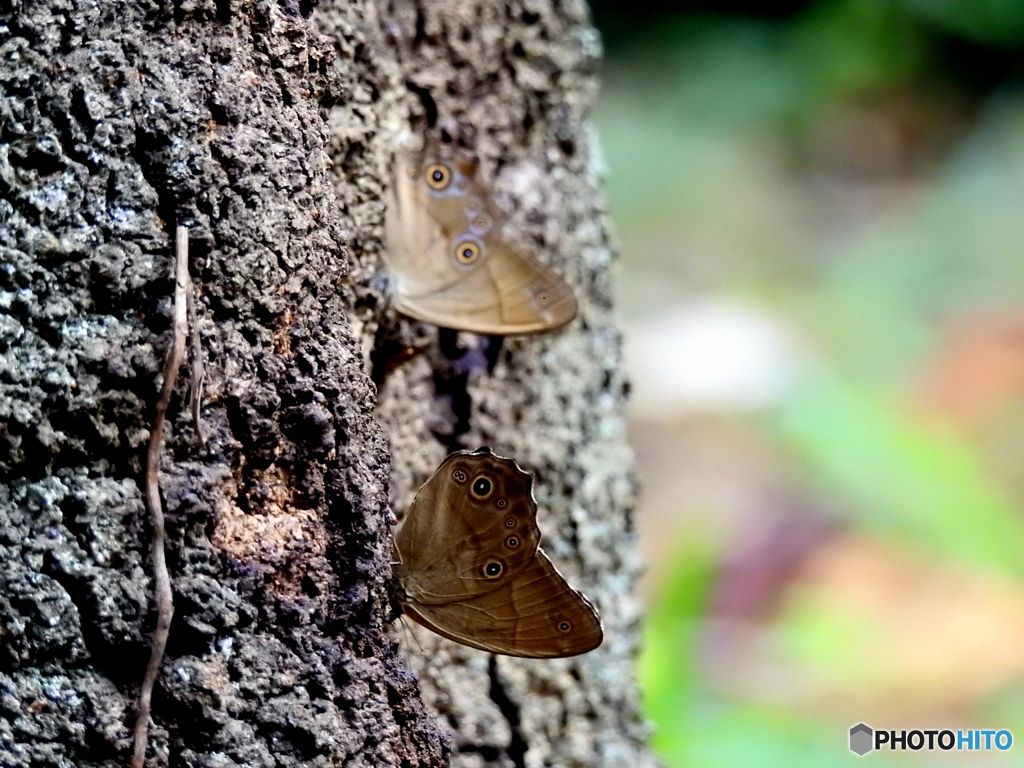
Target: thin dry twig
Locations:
point(164, 597)
point(196, 363)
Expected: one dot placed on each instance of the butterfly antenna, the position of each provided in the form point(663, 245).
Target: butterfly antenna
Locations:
point(410, 638)
point(407, 629)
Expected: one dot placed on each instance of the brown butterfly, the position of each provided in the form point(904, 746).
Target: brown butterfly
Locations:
point(471, 568)
point(448, 261)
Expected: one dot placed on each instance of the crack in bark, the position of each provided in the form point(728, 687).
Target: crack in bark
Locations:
point(451, 382)
point(196, 363)
point(517, 746)
point(429, 105)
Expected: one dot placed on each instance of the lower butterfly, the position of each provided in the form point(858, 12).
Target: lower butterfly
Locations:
point(471, 569)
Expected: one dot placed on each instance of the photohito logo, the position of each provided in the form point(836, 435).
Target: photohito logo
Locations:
point(864, 739)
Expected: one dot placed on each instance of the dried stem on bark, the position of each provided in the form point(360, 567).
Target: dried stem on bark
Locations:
point(163, 597)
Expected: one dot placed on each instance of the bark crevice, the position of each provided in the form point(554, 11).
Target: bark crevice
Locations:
point(517, 746)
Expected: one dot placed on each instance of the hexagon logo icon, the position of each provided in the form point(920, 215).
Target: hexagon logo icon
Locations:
point(861, 739)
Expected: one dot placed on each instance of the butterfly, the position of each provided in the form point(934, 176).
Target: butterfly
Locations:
point(448, 261)
point(471, 569)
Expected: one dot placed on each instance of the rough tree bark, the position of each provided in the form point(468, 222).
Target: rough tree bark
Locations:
point(119, 121)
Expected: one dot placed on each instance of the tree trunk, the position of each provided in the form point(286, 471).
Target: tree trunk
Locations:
point(120, 121)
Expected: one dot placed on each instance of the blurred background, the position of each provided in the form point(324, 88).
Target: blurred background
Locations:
point(821, 214)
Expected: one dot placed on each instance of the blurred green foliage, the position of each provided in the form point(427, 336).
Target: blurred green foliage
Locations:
point(909, 477)
point(752, 64)
point(988, 22)
point(705, 123)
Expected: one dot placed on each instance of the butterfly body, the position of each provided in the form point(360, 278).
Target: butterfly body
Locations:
point(471, 568)
point(449, 261)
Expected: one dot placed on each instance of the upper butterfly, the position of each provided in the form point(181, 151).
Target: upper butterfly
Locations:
point(470, 567)
point(448, 261)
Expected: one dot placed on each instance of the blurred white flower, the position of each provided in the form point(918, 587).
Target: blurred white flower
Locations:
point(713, 354)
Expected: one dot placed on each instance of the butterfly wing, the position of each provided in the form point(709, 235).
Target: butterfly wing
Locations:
point(535, 614)
point(472, 526)
point(507, 293)
point(496, 288)
point(414, 238)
